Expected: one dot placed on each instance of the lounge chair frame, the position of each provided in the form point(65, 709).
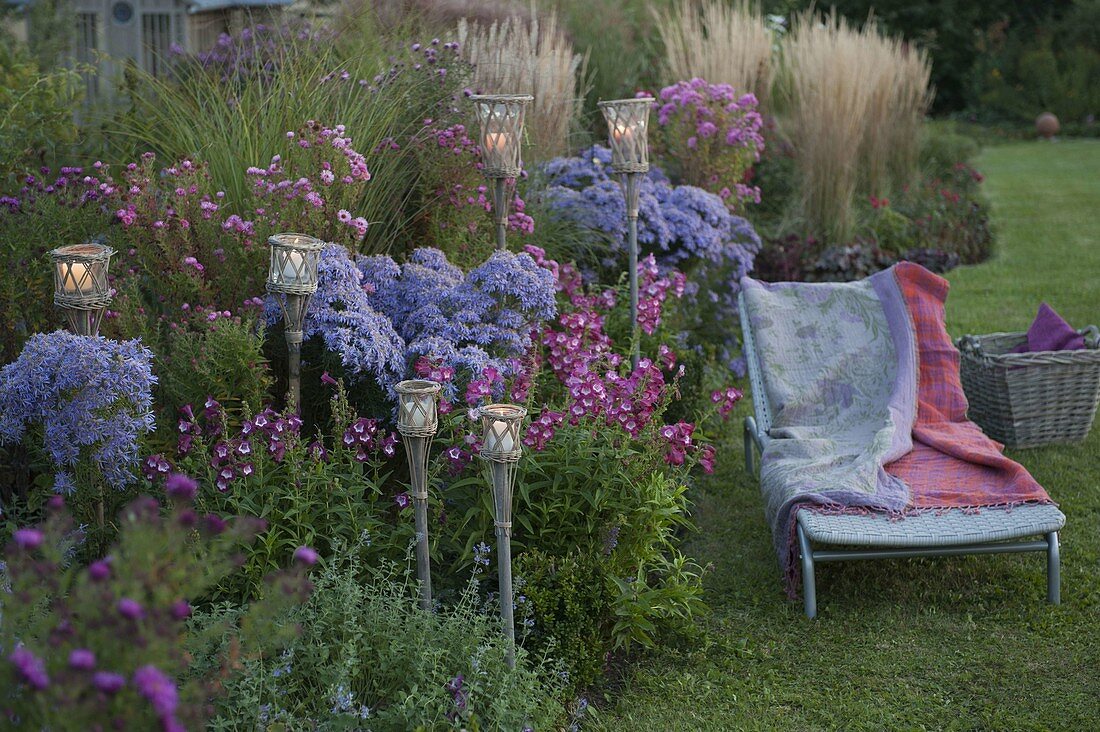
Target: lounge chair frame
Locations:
point(845, 538)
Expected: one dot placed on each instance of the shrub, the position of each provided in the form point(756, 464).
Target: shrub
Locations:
point(368, 656)
point(529, 55)
point(713, 135)
point(209, 354)
point(84, 645)
point(569, 606)
point(36, 111)
point(727, 43)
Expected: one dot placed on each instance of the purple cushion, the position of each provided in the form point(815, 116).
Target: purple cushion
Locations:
point(1050, 332)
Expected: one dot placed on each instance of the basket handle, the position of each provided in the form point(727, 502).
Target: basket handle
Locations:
point(1092, 336)
point(970, 344)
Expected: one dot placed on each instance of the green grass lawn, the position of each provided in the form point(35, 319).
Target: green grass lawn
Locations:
point(953, 643)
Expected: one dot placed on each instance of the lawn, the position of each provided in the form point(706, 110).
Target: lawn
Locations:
point(959, 643)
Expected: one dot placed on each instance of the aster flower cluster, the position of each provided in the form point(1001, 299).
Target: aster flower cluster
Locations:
point(314, 186)
point(715, 135)
point(680, 225)
point(63, 667)
point(88, 398)
point(462, 324)
point(343, 314)
point(257, 52)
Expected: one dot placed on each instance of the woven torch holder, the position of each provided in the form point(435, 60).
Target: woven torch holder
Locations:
point(1031, 399)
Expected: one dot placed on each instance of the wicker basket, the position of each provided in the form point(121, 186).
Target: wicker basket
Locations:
point(1031, 399)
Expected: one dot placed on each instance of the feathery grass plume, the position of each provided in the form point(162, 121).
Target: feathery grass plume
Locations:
point(529, 54)
point(722, 42)
point(832, 80)
point(900, 96)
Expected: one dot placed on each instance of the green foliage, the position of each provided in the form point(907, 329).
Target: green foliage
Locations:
point(56, 607)
point(567, 597)
point(26, 290)
point(222, 359)
point(322, 498)
point(368, 657)
point(36, 111)
point(942, 146)
point(891, 230)
point(1024, 72)
point(591, 487)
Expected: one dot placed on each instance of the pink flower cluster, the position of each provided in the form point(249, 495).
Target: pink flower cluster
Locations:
point(542, 429)
point(364, 436)
point(679, 443)
point(339, 165)
point(716, 133)
point(653, 290)
point(726, 399)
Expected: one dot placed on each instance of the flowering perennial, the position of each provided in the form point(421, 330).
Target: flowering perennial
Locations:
point(87, 397)
point(715, 134)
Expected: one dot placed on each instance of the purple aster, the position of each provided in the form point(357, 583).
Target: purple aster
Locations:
point(108, 682)
point(130, 609)
point(158, 688)
point(29, 668)
point(181, 486)
point(100, 569)
point(27, 538)
point(82, 659)
point(306, 555)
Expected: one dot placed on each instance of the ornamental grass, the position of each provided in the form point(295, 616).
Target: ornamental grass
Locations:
point(722, 42)
point(856, 105)
point(529, 55)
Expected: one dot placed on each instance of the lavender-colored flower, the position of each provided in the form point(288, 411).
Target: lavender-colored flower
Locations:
point(81, 659)
point(130, 609)
point(27, 538)
point(158, 688)
point(342, 314)
point(30, 668)
point(100, 569)
point(305, 555)
point(402, 500)
point(181, 486)
point(180, 610)
point(90, 397)
point(108, 682)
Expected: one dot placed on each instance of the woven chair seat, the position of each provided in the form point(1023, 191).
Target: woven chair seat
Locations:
point(932, 529)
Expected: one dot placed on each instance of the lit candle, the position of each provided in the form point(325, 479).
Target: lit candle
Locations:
point(79, 279)
point(498, 438)
point(293, 268)
point(622, 132)
point(497, 141)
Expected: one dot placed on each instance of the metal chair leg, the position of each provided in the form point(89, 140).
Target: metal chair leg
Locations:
point(750, 457)
point(1054, 570)
point(809, 588)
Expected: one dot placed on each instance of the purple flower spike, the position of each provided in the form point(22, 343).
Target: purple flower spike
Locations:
point(82, 659)
point(30, 668)
point(27, 538)
point(181, 486)
point(305, 555)
point(107, 682)
point(130, 609)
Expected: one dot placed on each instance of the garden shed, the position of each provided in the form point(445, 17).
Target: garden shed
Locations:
point(147, 31)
